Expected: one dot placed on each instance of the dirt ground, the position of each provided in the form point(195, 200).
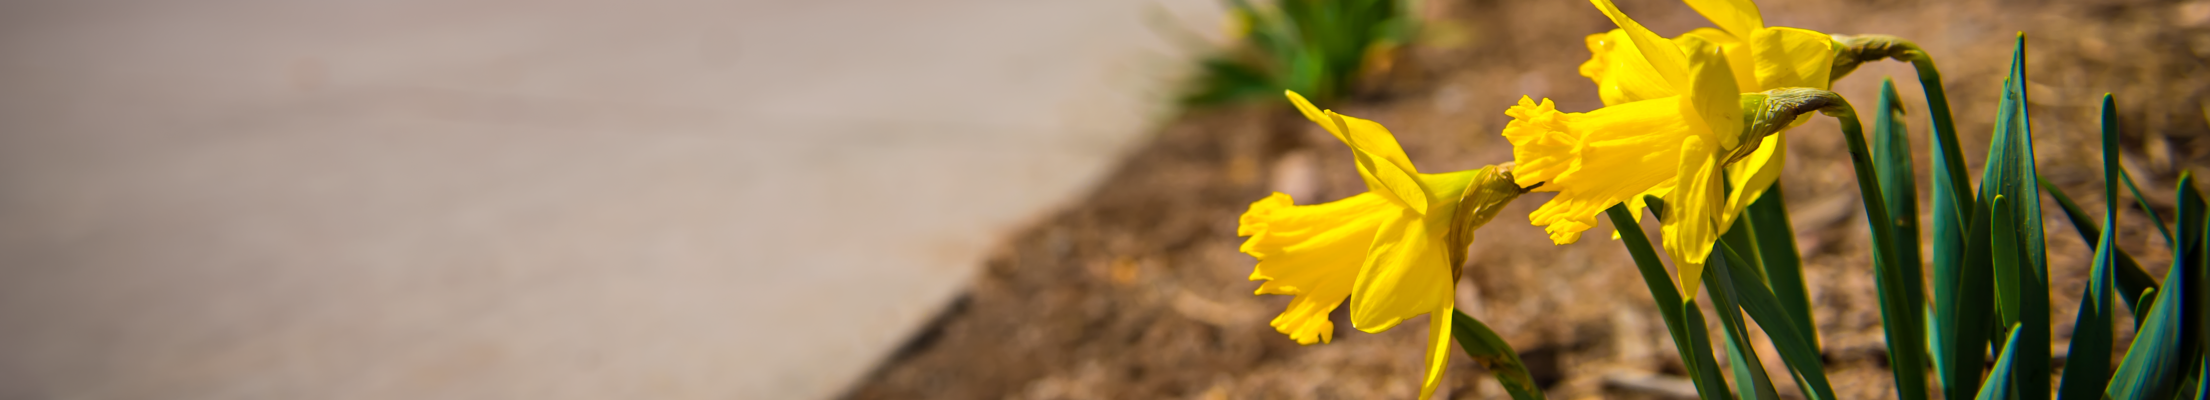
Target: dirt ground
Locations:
point(1139, 292)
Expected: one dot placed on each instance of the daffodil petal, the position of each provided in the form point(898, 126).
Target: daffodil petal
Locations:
point(1594, 160)
point(1690, 213)
point(1315, 114)
point(1620, 72)
point(1406, 272)
point(1738, 52)
point(1312, 252)
point(1739, 17)
point(1446, 188)
point(1713, 96)
point(1661, 54)
point(1790, 57)
point(1438, 347)
point(1752, 175)
point(1543, 144)
point(1379, 157)
point(1381, 161)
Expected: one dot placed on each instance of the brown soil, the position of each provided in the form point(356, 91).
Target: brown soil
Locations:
point(1139, 292)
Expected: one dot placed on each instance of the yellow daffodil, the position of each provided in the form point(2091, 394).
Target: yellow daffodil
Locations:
point(1672, 127)
point(1760, 58)
point(1393, 251)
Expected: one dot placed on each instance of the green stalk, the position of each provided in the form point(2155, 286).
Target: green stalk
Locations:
point(1687, 328)
point(1945, 130)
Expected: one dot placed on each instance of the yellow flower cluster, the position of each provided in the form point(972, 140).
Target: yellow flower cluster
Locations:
point(1673, 126)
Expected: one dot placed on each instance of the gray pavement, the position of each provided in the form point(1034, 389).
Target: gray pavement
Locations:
point(488, 199)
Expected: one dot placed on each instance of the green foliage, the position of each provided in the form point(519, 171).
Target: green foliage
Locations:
point(1315, 47)
point(2152, 366)
point(1999, 385)
point(1902, 293)
point(1490, 350)
point(2133, 283)
point(1990, 272)
point(1683, 320)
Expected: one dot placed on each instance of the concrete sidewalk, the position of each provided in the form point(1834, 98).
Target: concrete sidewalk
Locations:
point(247, 199)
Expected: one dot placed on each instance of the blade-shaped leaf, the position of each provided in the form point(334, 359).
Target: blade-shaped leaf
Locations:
point(2131, 280)
point(2025, 300)
point(1902, 293)
point(1951, 217)
point(2198, 329)
point(2087, 363)
point(1759, 302)
point(1999, 385)
point(1776, 250)
point(2191, 262)
point(1742, 361)
point(2154, 363)
point(1487, 348)
point(1968, 298)
point(1747, 368)
point(2010, 173)
point(2111, 123)
point(1683, 320)
point(2195, 313)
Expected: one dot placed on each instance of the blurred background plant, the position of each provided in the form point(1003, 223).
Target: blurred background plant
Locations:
point(1321, 48)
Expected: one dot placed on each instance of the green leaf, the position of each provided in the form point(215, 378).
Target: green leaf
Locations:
point(2000, 385)
point(2192, 261)
point(1952, 201)
point(1951, 218)
point(2131, 280)
point(1884, 239)
point(1740, 283)
point(1748, 370)
point(1951, 188)
point(2024, 298)
point(2198, 328)
point(1902, 292)
point(1316, 48)
point(2154, 364)
point(1485, 347)
point(1776, 250)
point(1786, 280)
point(2193, 266)
point(2087, 364)
point(2110, 123)
point(2141, 313)
point(1687, 329)
point(1967, 300)
point(2010, 173)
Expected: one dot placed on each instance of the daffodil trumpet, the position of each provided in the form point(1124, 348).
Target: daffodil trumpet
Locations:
point(1393, 251)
